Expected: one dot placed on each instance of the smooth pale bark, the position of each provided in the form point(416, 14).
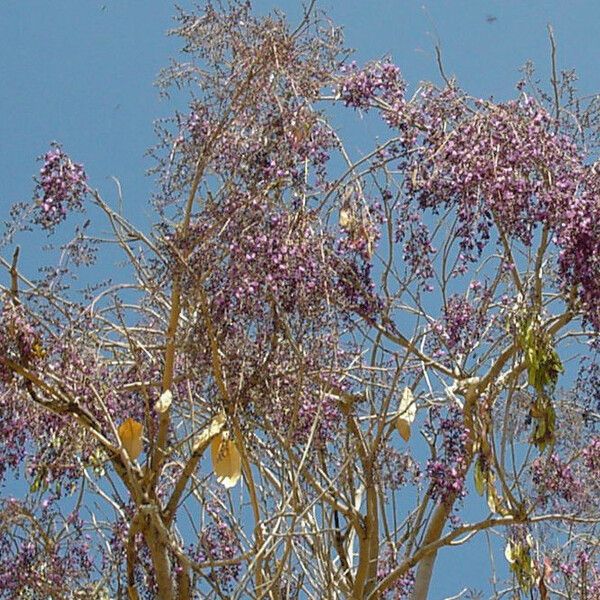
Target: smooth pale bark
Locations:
point(425, 568)
point(366, 573)
point(161, 563)
point(442, 512)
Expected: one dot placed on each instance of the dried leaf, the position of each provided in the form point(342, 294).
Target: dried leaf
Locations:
point(543, 589)
point(407, 412)
point(226, 460)
point(130, 434)
point(346, 218)
point(545, 576)
point(403, 428)
point(408, 406)
point(508, 553)
point(38, 350)
point(479, 478)
point(210, 432)
point(163, 403)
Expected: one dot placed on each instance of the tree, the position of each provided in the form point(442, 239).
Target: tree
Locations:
point(359, 345)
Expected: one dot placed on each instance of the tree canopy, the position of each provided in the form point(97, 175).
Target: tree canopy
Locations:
point(318, 359)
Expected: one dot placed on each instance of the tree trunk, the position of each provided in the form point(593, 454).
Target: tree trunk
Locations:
point(425, 568)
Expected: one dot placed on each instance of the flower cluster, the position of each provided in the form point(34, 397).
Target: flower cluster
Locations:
point(19, 340)
point(61, 187)
point(554, 480)
point(501, 165)
point(254, 255)
point(587, 386)
point(198, 125)
point(446, 472)
point(40, 566)
point(504, 166)
point(460, 326)
point(591, 457)
point(397, 469)
point(297, 420)
point(282, 260)
point(403, 586)
point(582, 574)
point(418, 248)
point(269, 148)
point(258, 114)
point(377, 81)
point(14, 432)
point(577, 234)
point(218, 541)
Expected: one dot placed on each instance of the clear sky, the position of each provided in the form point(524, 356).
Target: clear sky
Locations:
point(81, 72)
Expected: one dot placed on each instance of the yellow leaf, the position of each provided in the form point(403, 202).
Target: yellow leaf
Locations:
point(130, 434)
point(226, 460)
point(403, 428)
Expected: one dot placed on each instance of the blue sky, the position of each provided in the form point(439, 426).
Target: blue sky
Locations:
point(81, 72)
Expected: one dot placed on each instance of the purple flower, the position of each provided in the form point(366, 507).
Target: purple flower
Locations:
point(61, 187)
point(554, 480)
point(591, 457)
point(360, 88)
point(217, 542)
point(446, 472)
point(402, 587)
